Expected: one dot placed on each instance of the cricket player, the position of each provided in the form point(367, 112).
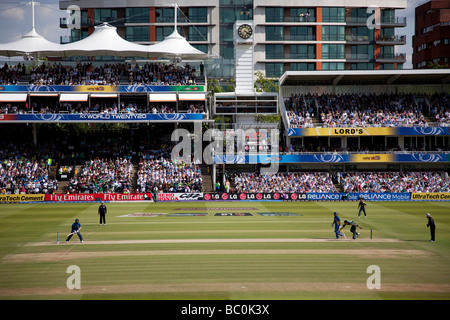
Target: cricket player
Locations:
point(353, 225)
point(432, 227)
point(337, 223)
point(362, 207)
point(76, 227)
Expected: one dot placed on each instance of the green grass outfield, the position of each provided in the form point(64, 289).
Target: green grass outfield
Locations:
point(227, 257)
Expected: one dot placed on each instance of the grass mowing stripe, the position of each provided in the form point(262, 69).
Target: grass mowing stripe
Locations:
point(167, 249)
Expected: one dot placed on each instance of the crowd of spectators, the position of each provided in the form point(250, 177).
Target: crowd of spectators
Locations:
point(104, 107)
point(26, 176)
point(107, 74)
point(419, 181)
point(103, 176)
point(384, 110)
point(24, 169)
point(300, 110)
point(157, 172)
point(283, 182)
point(440, 109)
point(360, 110)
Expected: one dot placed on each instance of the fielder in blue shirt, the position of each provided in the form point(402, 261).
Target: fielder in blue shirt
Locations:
point(337, 223)
point(76, 227)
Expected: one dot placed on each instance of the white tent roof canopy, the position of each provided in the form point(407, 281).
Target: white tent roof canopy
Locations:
point(104, 41)
point(29, 44)
point(176, 46)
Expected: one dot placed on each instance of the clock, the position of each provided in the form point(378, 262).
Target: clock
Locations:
point(245, 31)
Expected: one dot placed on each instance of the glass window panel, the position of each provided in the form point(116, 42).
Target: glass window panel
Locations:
point(274, 69)
point(274, 33)
point(198, 33)
point(274, 14)
point(137, 15)
point(138, 34)
point(332, 14)
point(274, 51)
point(198, 14)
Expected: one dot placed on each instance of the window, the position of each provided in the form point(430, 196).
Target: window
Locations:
point(304, 66)
point(362, 66)
point(387, 66)
point(302, 33)
point(360, 52)
point(332, 14)
point(105, 15)
point(274, 14)
point(166, 15)
point(78, 34)
point(303, 15)
point(333, 33)
point(388, 33)
point(199, 14)
point(227, 51)
point(274, 51)
point(231, 14)
point(388, 15)
point(274, 70)
point(226, 33)
point(333, 66)
point(361, 34)
point(333, 51)
point(301, 51)
point(198, 33)
point(163, 32)
point(138, 33)
point(227, 15)
point(274, 33)
point(236, 2)
point(201, 47)
point(137, 15)
point(387, 52)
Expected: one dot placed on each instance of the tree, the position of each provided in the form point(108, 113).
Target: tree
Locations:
point(437, 65)
point(263, 84)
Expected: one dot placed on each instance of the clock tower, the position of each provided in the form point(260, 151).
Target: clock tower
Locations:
point(243, 55)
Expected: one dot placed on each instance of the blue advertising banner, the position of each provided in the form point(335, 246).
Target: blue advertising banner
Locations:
point(101, 117)
point(101, 88)
point(369, 131)
point(310, 196)
point(331, 158)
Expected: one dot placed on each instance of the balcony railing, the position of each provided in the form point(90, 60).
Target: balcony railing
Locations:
point(396, 21)
point(85, 22)
point(297, 38)
point(355, 38)
point(397, 57)
point(391, 39)
point(357, 56)
point(298, 19)
point(294, 56)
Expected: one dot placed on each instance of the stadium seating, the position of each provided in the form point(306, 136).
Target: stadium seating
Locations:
point(103, 176)
point(108, 74)
point(283, 182)
point(160, 172)
point(419, 181)
point(25, 176)
point(352, 110)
